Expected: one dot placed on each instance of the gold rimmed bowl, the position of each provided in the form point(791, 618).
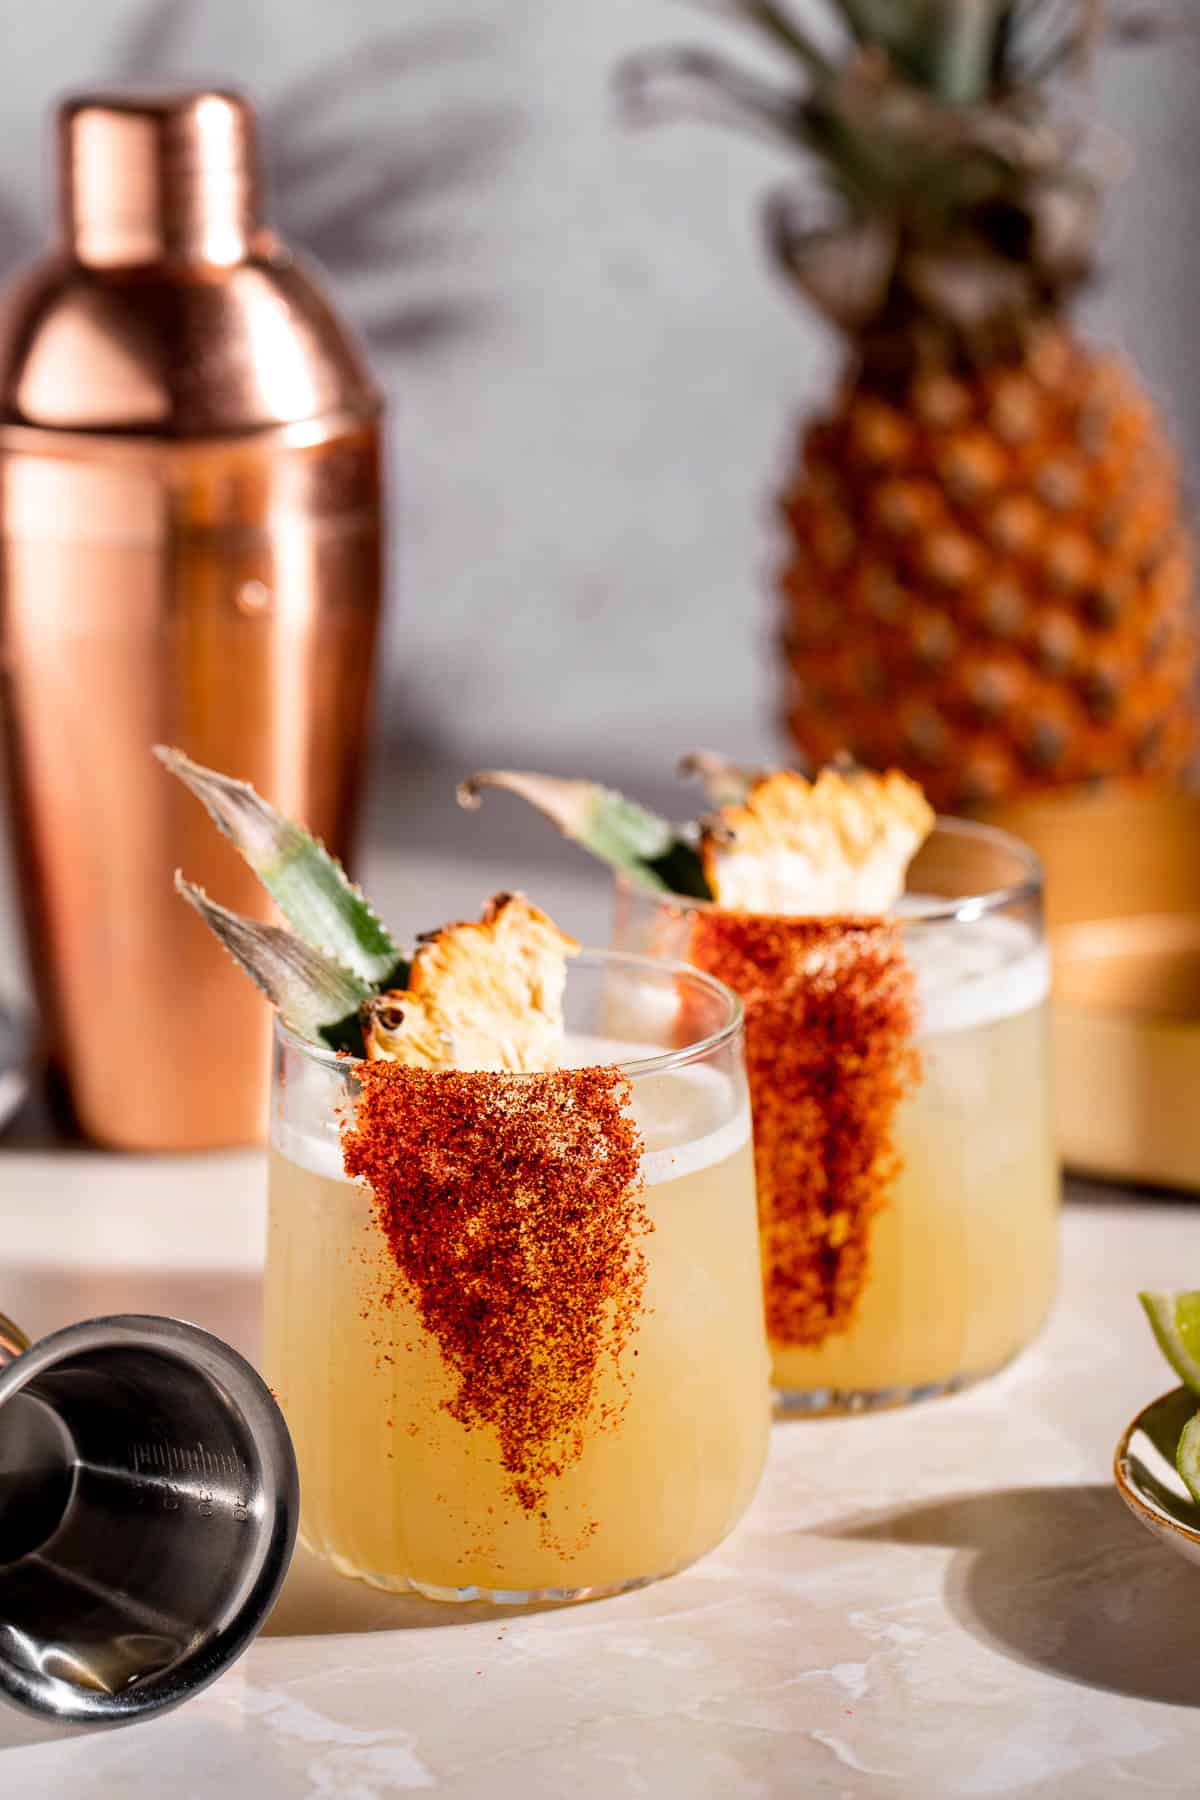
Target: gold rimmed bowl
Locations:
point(1147, 1479)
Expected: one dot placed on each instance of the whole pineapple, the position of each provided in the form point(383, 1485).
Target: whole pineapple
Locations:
point(987, 578)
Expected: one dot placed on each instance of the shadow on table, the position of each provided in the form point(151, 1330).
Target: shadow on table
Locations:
point(36, 1122)
point(1061, 1579)
point(229, 1303)
point(318, 1602)
point(1098, 1190)
point(21, 1732)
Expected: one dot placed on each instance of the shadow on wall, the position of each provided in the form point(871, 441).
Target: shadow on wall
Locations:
point(358, 178)
point(1150, 261)
point(351, 182)
point(361, 202)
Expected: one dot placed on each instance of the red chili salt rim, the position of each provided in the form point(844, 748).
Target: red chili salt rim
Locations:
point(825, 1104)
point(512, 1211)
point(830, 1020)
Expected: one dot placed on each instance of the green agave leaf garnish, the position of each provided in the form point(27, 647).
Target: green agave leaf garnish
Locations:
point(309, 886)
point(312, 994)
point(617, 830)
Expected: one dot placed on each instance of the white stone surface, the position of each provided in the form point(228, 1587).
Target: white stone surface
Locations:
point(944, 1601)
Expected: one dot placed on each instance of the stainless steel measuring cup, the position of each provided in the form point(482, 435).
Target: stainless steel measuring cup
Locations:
point(148, 1510)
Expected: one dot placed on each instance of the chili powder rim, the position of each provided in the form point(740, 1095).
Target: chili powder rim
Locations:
point(663, 969)
point(1026, 891)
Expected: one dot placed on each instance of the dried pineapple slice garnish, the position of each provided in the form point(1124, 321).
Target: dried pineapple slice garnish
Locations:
point(479, 996)
point(839, 844)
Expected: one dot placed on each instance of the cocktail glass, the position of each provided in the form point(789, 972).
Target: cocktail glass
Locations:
point(908, 1189)
point(397, 1487)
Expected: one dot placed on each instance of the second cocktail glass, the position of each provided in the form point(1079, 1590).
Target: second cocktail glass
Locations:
point(900, 1076)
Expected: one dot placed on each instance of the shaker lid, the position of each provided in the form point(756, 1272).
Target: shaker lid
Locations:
point(169, 311)
point(146, 177)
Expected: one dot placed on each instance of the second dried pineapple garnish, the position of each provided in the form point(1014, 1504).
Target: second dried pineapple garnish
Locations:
point(839, 844)
point(779, 843)
point(479, 996)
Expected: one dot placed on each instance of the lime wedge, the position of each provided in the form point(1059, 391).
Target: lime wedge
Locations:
point(1187, 1457)
point(1175, 1321)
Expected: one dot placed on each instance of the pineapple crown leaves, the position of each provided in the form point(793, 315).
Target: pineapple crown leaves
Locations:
point(312, 994)
point(945, 186)
point(310, 888)
point(619, 831)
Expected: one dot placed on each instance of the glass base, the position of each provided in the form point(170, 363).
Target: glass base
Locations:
point(813, 1403)
point(462, 1596)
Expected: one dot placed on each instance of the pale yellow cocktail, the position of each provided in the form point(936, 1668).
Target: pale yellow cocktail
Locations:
point(397, 1490)
point(964, 1254)
point(900, 1074)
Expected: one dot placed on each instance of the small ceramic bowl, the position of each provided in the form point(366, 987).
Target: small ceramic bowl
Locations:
point(1147, 1479)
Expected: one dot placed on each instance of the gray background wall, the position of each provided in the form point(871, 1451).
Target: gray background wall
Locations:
point(594, 380)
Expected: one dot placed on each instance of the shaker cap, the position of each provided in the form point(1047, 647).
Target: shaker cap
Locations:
point(168, 310)
point(158, 175)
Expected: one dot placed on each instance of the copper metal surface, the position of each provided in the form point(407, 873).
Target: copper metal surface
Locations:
point(1123, 907)
point(12, 1340)
point(190, 548)
point(150, 177)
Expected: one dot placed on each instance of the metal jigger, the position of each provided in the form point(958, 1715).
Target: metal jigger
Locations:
point(148, 1509)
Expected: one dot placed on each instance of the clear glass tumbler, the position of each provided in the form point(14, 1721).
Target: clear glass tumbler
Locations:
point(403, 1487)
point(901, 1085)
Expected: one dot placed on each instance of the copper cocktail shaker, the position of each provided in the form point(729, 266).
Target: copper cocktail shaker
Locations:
point(190, 552)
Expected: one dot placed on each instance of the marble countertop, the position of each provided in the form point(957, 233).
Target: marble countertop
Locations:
point(949, 1600)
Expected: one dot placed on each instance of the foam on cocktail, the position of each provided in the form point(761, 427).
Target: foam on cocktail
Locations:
point(971, 972)
point(689, 1118)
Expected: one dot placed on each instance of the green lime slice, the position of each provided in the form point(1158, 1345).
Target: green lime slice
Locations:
point(1175, 1321)
point(1187, 1457)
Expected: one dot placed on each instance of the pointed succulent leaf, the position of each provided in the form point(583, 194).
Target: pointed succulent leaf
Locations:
point(964, 49)
point(785, 34)
point(844, 268)
point(726, 783)
point(948, 47)
point(309, 886)
point(669, 82)
point(308, 990)
point(617, 830)
point(681, 870)
point(602, 820)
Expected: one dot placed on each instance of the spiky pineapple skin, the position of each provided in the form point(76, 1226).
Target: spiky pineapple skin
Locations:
point(987, 579)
